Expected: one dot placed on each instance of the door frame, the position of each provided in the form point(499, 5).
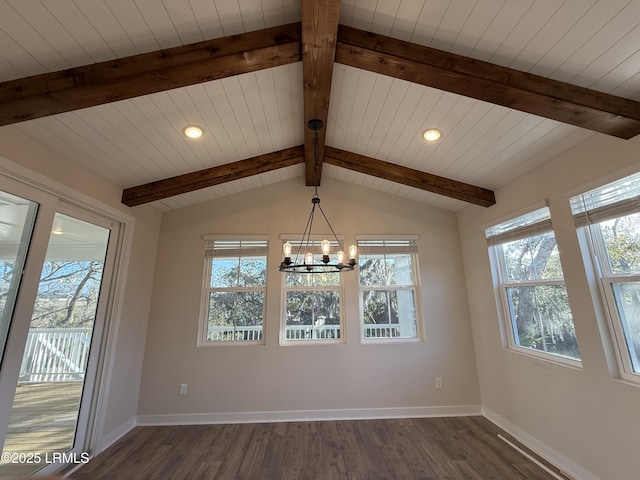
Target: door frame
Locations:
point(50, 193)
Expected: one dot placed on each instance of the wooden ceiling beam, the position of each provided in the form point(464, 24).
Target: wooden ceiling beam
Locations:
point(319, 31)
point(409, 176)
point(485, 81)
point(209, 177)
point(100, 83)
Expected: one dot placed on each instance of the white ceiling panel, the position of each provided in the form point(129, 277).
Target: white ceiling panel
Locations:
point(591, 43)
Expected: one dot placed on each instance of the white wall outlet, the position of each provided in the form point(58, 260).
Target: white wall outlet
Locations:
point(438, 382)
point(183, 389)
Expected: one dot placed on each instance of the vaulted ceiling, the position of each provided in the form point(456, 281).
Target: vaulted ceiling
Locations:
point(111, 84)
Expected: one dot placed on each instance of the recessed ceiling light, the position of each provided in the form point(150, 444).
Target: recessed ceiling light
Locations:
point(192, 131)
point(431, 135)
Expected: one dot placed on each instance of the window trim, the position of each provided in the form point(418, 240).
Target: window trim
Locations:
point(617, 197)
point(412, 250)
point(501, 284)
point(596, 250)
point(284, 341)
point(203, 323)
point(284, 288)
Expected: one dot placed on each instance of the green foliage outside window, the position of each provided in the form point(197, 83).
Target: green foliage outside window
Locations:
point(621, 239)
point(536, 296)
point(388, 295)
point(312, 303)
point(236, 299)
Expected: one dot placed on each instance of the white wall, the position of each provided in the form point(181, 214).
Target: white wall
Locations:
point(585, 415)
point(254, 382)
point(25, 159)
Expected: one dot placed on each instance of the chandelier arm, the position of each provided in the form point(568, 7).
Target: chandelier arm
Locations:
point(304, 241)
point(325, 267)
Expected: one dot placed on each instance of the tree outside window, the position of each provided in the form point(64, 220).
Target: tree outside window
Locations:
point(312, 304)
point(608, 220)
point(388, 288)
point(235, 290)
point(532, 289)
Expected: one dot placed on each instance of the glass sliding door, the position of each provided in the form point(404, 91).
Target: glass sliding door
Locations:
point(53, 364)
point(17, 216)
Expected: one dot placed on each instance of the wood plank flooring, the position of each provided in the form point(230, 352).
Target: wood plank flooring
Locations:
point(452, 448)
point(43, 419)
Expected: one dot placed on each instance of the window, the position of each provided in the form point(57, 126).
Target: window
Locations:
point(531, 284)
point(312, 303)
point(234, 290)
point(609, 219)
point(388, 288)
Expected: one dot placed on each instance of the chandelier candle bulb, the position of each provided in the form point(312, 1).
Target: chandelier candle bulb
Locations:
point(340, 256)
point(353, 251)
point(326, 247)
point(287, 250)
point(308, 258)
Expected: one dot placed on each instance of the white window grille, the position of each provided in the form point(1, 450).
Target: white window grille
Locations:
point(312, 302)
point(388, 278)
point(608, 220)
point(234, 290)
point(532, 291)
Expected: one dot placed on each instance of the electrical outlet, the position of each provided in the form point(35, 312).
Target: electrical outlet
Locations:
point(438, 382)
point(183, 389)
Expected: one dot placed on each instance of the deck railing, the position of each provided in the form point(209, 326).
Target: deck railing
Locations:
point(218, 333)
point(381, 331)
point(297, 332)
point(307, 332)
point(292, 332)
point(55, 355)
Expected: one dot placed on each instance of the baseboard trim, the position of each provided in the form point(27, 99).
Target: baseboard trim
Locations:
point(552, 456)
point(308, 415)
point(114, 435)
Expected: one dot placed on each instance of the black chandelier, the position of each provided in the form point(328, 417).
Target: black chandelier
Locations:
point(305, 262)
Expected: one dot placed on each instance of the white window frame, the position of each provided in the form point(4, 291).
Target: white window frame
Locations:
point(255, 245)
point(609, 202)
point(535, 221)
point(383, 245)
point(314, 240)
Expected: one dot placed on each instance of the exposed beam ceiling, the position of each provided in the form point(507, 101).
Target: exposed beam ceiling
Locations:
point(209, 177)
point(485, 81)
point(212, 176)
point(317, 41)
point(409, 176)
point(105, 82)
point(319, 32)
point(57, 92)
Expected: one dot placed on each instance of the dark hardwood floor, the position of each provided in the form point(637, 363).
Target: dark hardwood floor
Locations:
point(452, 448)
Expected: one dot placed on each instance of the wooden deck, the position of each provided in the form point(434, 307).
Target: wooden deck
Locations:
point(43, 419)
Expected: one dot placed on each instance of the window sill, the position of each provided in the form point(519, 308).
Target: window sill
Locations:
point(628, 379)
point(546, 357)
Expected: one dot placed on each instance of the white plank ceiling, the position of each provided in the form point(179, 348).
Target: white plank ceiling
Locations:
point(590, 43)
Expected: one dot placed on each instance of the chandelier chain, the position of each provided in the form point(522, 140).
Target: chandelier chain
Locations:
point(309, 265)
